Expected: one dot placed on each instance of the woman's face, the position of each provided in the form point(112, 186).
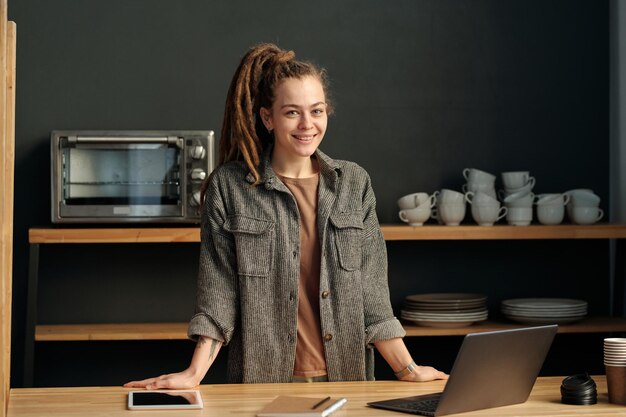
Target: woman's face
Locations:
point(298, 118)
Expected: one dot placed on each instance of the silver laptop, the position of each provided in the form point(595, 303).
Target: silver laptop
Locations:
point(492, 369)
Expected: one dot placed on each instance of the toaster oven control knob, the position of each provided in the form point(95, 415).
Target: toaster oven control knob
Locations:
point(194, 199)
point(197, 152)
point(198, 174)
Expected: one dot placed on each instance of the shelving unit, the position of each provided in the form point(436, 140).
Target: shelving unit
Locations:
point(178, 331)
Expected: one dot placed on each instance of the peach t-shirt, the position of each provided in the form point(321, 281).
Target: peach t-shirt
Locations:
point(310, 361)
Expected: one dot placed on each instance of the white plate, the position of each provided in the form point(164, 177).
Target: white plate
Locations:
point(448, 306)
point(450, 311)
point(473, 318)
point(547, 315)
point(545, 320)
point(544, 302)
point(443, 324)
point(445, 319)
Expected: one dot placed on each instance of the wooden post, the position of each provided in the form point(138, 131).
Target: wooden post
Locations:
point(7, 162)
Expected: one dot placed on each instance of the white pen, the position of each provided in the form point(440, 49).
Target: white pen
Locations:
point(334, 407)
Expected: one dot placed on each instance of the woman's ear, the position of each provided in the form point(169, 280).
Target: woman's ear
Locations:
point(266, 117)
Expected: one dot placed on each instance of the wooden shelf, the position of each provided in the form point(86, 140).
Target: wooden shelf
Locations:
point(103, 235)
point(111, 331)
point(504, 232)
point(588, 325)
point(391, 232)
point(178, 331)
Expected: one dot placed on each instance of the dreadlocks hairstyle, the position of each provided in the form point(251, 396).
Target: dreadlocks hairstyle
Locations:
point(261, 70)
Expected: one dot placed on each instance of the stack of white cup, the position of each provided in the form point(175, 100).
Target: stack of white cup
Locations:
point(486, 210)
point(415, 208)
point(583, 206)
point(479, 181)
point(551, 208)
point(450, 209)
point(518, 197)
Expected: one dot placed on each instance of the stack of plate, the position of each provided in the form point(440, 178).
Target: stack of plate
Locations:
point(544, 310)
point(445, 309)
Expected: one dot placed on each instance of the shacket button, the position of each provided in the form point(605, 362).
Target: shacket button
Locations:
point(325, 294)
point(328, 337)
point(295, 253)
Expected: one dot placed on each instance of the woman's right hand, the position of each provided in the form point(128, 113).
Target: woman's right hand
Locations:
point(180, 380)
point(204, 355)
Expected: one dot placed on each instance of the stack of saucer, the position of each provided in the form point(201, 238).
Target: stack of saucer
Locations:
point(544, 310)
point(579, 389)
point(445, 309)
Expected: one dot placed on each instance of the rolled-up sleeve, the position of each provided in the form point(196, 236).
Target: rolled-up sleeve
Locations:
point(217, 298)
point(380, 322)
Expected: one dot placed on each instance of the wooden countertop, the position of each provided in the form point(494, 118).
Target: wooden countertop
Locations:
point(244, 400)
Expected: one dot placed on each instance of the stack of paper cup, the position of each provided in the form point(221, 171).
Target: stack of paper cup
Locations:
point(615, 364)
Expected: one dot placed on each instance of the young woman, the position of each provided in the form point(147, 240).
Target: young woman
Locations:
point(293, 267)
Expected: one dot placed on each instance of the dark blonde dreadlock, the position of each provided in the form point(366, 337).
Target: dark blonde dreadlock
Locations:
point(243, 135)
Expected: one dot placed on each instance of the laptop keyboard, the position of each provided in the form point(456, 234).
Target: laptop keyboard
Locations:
point(426, 406)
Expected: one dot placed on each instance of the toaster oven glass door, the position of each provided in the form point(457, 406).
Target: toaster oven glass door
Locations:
point(133, 179)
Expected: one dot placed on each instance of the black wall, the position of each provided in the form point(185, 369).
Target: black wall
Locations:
point(422, 89)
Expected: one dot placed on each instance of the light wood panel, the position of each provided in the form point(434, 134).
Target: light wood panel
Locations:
point(7, 162)
point(111, 331)
point(122, 235)
point(504, 232)
point(178, 331)
point(390, 232)
point(245, 400)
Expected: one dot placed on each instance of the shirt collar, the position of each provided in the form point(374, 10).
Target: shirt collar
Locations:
point(329, 169)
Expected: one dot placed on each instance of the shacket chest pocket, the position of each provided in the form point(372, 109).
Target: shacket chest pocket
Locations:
point(254, 243)
point(348, 239)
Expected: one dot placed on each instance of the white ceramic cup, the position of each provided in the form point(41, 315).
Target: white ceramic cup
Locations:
point(583, 197)
point(416, 216)
point(488, 214)
point(521, 199)
point(552, 199)
point(488, 189)
point(473, 175)
point(516, 179)
point(586, 214)
point(526, 188)
point(550, 213)
point(410, 201)
point(480, 198)
point(449, 196)
point(450, 214)
point(519, 216)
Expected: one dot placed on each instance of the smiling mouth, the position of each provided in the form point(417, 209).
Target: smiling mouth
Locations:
point(304, 138)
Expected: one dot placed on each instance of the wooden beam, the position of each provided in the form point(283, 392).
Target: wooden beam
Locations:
point(7, 161)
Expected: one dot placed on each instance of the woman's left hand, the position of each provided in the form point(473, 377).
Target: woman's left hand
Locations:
point(423, 374)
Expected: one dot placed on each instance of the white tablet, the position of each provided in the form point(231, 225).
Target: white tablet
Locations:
point(154, 400)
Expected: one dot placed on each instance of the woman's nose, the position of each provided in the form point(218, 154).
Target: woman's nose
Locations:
point(305, 122)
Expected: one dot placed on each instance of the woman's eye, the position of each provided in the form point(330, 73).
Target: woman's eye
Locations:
point(318, 112)
point(292, 113)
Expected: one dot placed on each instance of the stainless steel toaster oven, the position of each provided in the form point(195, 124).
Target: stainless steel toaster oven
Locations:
point(129, 176)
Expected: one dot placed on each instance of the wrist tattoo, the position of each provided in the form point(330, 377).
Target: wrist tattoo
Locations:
point(214, 345)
